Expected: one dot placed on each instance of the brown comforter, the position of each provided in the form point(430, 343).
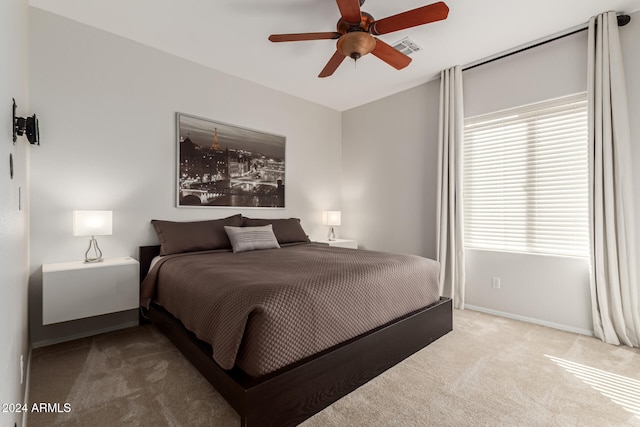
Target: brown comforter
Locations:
point(263, 310)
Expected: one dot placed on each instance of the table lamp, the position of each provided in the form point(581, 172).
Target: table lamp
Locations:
point(331, 218)
point(92, 223)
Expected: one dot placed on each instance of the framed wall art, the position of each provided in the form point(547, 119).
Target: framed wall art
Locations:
point(220, 165)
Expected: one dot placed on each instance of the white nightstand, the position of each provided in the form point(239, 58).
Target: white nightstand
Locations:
point(341, 243)
point(75, 290)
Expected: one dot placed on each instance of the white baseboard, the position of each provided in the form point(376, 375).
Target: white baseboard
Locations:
point(27, 382)
point(530, 320)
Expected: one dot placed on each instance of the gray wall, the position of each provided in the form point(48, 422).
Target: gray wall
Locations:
point(389, 174)
point(108, 111)
point(107, 106)
point(389, 201)
point(546, 289)
point(14, 225)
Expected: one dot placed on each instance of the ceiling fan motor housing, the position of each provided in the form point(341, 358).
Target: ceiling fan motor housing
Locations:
point(356, 41)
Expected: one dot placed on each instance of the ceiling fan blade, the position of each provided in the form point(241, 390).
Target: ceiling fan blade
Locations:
point(303, 36)
point(332, 65)
point(350, 11)
point(412, 18)
point(391, 56)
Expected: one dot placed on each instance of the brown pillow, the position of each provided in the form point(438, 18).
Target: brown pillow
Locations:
point(178, 237)
point(286, 230)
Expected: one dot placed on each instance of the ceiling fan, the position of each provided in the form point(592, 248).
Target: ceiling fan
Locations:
point(356, 29)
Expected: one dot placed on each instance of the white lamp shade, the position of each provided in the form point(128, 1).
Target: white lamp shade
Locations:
point(92, 223)
point(331, 217)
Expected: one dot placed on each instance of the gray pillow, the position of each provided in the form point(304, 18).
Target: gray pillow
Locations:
point(178, 237)
point(251, 238)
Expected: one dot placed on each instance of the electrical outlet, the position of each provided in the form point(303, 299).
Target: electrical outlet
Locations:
point(495, 282)
point(21, 368)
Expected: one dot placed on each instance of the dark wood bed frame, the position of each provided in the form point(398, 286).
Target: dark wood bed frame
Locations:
point(296, 392)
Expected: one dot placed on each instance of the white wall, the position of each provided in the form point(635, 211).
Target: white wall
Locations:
point(107, 107)
point(389, 172)
point(13, 217)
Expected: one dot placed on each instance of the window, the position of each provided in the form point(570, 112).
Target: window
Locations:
point(526, 179)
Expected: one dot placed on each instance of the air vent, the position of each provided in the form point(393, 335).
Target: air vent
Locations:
point(406, 46)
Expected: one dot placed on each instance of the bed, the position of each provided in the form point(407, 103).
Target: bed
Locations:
point(279, 354)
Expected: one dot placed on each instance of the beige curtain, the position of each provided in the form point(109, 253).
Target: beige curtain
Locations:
point(450, 215)
point(614, 281)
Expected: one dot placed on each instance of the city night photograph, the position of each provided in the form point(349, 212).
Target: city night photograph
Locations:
point(225, 165)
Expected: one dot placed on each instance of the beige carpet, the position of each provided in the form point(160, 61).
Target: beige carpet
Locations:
point(489, 371)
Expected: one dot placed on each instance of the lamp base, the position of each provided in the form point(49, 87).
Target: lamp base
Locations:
point(97, 253)
point(332, 234)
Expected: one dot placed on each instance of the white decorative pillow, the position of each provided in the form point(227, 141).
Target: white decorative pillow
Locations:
point(251, 238)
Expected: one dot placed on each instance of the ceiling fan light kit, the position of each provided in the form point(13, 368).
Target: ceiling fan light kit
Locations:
point(356, 44)
point(356, 31)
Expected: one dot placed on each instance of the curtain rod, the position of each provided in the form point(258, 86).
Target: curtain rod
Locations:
point(622, 21)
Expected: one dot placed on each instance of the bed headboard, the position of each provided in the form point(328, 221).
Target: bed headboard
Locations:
point(146, 254)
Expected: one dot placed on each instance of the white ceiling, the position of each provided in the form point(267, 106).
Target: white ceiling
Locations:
point(231, 36)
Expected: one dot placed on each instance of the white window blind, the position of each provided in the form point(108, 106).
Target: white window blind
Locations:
point(526, 179)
